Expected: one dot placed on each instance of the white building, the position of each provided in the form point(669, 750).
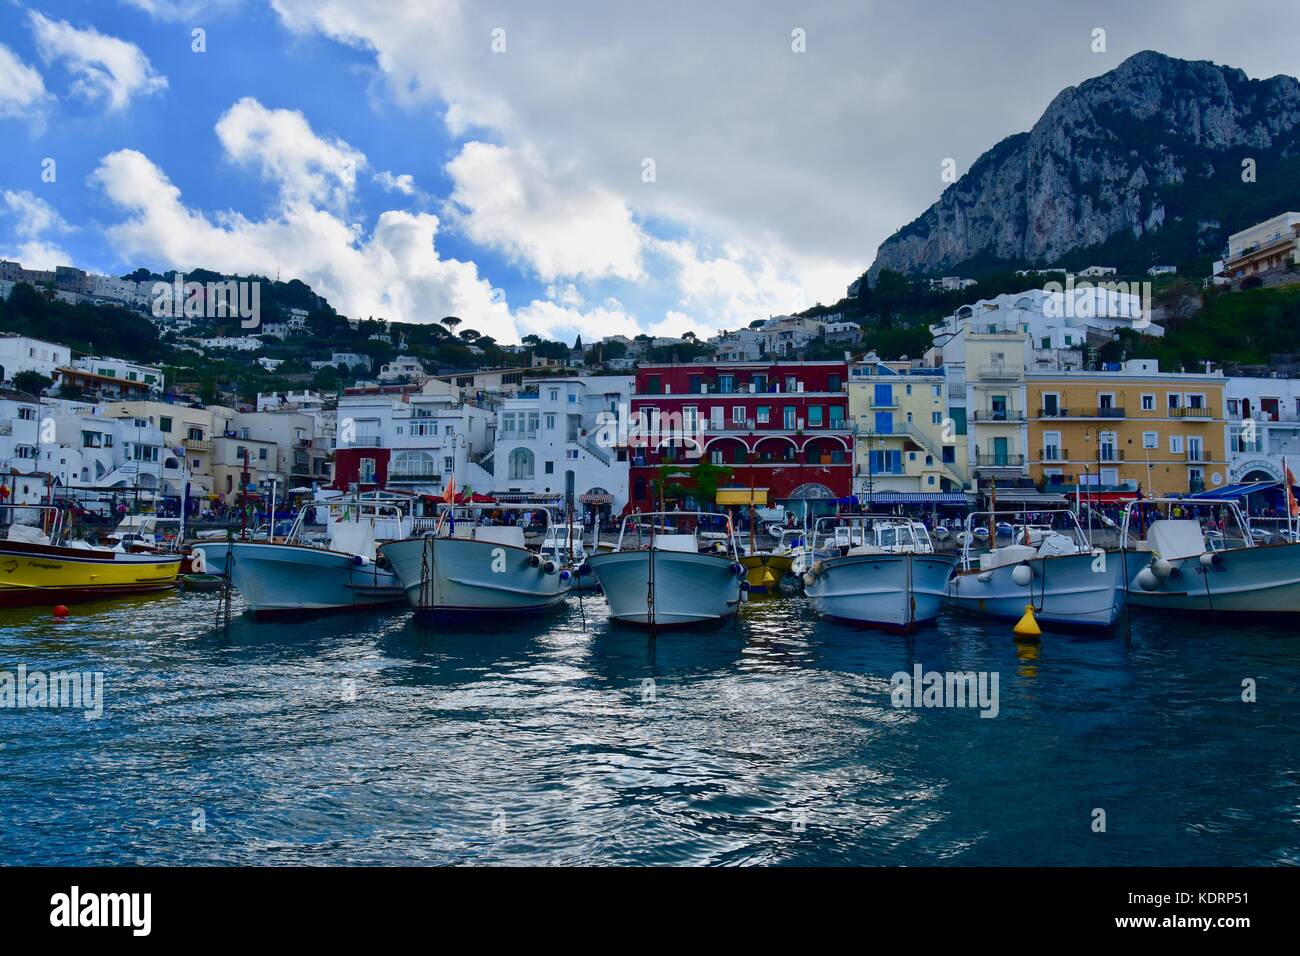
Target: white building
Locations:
point(353, 360)
point(548, 442)
point(1162, 271)
point(96, 451)
point(403, 367)
point(242, 343)
point(121, 369)
point(1094, 272)
point(1263, 428)
point(19, 431)
point(18, 353)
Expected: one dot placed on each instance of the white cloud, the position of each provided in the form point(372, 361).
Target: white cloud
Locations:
point(104, 67)
point(22, 90)
point(183, 10)
point(403, 183)
point(395, 272)
point(551, 320)
point(566, 295)
point(282, 145)
point(34, 217)
point(552, 222)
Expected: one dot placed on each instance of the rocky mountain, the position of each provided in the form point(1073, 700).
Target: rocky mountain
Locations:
point(1142, 163)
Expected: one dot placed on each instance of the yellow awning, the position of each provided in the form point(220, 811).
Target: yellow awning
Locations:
point(742, 496)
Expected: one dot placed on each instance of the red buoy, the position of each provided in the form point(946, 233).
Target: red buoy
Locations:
point(60, 611)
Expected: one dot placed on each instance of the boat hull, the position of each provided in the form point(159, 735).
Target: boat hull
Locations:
point(689, 588)
point(873, 589)
point(1074, 590)
point(37, 574)
point(1263, 580)
point(286, 578)
point(764, 572)
point(474, 577)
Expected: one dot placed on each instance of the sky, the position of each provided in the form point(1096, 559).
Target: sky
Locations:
point(561, 168)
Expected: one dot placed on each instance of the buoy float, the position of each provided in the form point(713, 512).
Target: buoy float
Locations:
point(1027, 628)
point(60, 611)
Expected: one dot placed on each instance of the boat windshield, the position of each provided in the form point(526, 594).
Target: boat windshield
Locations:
point(1220, 522)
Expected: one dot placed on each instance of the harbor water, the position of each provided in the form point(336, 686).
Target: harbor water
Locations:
point(563, 739)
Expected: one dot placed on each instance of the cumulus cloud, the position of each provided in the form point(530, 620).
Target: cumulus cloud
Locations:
point(22, 90)
point(552, 222)
point(394, 272)
point(282, 146)
point(403, 183)
point(103, 67)
point(182, 10)
point(32, 219)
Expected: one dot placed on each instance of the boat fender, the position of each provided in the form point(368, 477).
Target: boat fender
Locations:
point(1162, 568)
point(1211, 558)
point(584, 570)
point(1147, 581)
point(737, 569)
point(985, 577)
point(360, 560)
point(549, 567)
point(565, 575)
point(1022, 574)
point(534, 561)
point(817, 567)
point(809, 580)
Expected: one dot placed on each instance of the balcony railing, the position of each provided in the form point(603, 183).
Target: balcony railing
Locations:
point(1053, 413)
point(1053, 454)
point(410, 473)
point(366, 441)
point(999, 415)
point(1190, 413)
point(1110, 411)
point(1001, 373)
point(1000, 461)
point(1110, 457)
point(197, 444)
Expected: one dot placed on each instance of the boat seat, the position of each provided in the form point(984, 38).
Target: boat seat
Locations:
point(1011, 554)
point(500, 534)
point(675, 542)
point(1174, 538)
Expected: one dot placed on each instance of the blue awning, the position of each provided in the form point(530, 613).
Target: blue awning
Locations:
point(1239, 490)
point(914, 498)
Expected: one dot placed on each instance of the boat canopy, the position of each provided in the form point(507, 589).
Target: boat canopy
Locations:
point(1239, 490)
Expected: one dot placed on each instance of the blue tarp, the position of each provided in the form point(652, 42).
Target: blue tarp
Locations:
point(1240, 490)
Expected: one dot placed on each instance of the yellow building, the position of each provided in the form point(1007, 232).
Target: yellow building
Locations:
point(905, 440)
point(995, 361)
point(1116, 431)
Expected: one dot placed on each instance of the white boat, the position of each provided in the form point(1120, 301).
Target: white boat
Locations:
point(1050, 566)
point(342, 572)
point(562, 543)
point(672, 578)
point(878, 570)
point(1174, 563)
point(460, 567)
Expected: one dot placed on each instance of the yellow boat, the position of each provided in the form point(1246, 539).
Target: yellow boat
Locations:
point(34, 571)
point(764, 571)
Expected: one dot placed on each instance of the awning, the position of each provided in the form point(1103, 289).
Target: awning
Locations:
point(742, 496)
point(914, 498)
point(1239, 490)
point(1031, 495)
point(594, 498)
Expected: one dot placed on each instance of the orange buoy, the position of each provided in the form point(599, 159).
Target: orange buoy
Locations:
point(60, 611)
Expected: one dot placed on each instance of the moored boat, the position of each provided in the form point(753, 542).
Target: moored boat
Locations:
point(876, 570)
point(671, 577)
point(340, 572)
point(1050, 565)
point(462, 568)
point(1178, 563)
point(38, 565)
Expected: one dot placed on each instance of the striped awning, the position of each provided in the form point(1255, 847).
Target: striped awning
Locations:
point(914, 498)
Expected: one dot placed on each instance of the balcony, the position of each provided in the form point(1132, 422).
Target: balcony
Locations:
point(1000, 373)
point(1110, 457)
point(1110, 411)
point(1053, 454)
point(365, 441)
point(1053, 413)
point(1204, 413)
point(197, 444)
point(999, 415)
point(1000, 461)
point(413, 473)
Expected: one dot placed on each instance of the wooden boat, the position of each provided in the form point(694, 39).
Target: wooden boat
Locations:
point(38, 566)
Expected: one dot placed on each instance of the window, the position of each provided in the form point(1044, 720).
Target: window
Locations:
point(195, 464)
point(1107, 447)
point(1175, 444)
point(573, 398)
point(763, 415)
point(520, 465)
point(554, 393)
point(717, 417)
point(726, 384)
point(550, 468)
point(571, 454)
point(26, 414)
point(1150, 440)
point(366, 472)
point(883, 396)
point(1175, 400)
point(448, 464)
point(194, 434)
point(814, 416)
point(837, 416)
point(1194, 448)
point(550, 421)
point(1196, 401)
point(738, 414)
point(164, 424)
point(833, 383)
point(691, 419)
point(1052, 446)
point(1149, 402)
point(936, 418)
point(261, 454)
point(789, 419)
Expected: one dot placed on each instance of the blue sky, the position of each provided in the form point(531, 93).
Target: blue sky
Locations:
point(786, 141)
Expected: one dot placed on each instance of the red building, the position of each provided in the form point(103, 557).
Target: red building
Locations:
point(779, 426)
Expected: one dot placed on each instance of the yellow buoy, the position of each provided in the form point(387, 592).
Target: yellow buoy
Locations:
point(1027, 628)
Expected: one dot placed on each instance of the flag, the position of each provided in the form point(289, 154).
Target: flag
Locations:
point(1292, 508)
point(449, 495)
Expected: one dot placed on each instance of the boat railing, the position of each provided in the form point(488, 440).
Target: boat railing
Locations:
point(1216, 538)
point(888, 532)
point(1023, 520)
point(447, 512)
point(668, 520)
point(52, 523)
